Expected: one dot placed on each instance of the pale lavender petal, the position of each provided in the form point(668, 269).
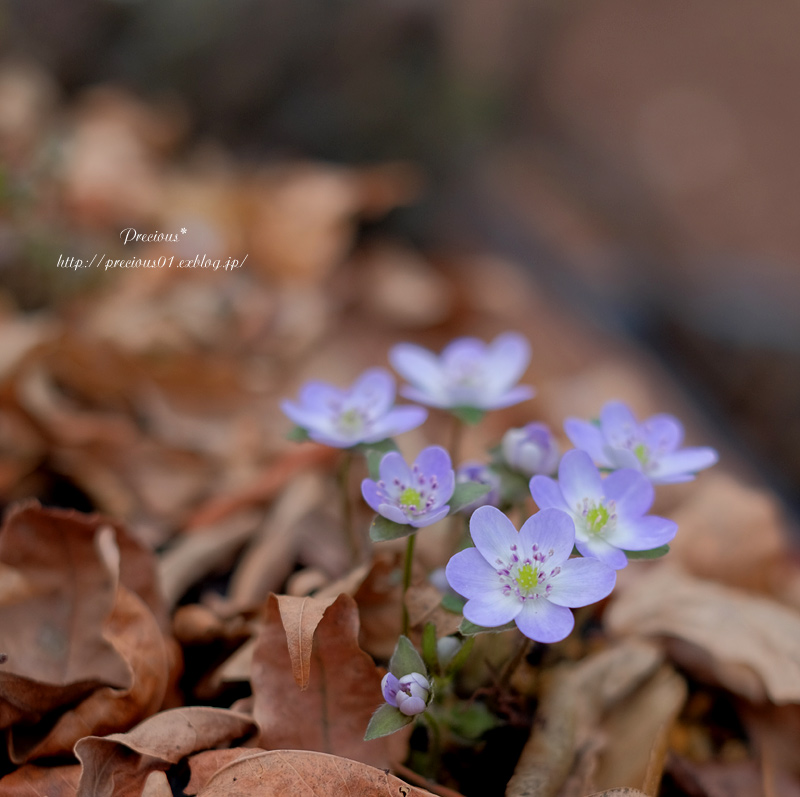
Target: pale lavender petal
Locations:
point(631, 490)
point(581, 582)
point(682, 465)
point(434, 461)
point(508, 356)
point(440, 400)
point(551, 530)
point(418, 366)
point(470, 575)
point(643, 533)
point(332, 438)
point(394, 473)
point(588, 437)
point(463, 351)
point(369, 489)
point(302, 416)
point(547, 493)
point(508, 399)
point(393, 513)
point(320, 396)
point(493, 534)
point(618, 424)
point(622, 458)
point(579, 479)
point(389, 687)
point(373, 391)
point(396, 421)
point(543, 621)
point(661, 433)
point(434, 516)
point(597, 548)
point(491, 609)
point(412, 706)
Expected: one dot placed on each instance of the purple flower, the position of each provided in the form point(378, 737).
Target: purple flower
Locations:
point(652, 446)
point(361, 414)
point(531, 449)
point(410, 693)
point(482, 474)
point(526, 576)
point(468, 373)
point(609, 513)
point(415, 496)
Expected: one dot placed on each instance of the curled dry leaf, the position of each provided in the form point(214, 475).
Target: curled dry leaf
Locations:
point(577, 703)
point(343, 687)
point(204, 765)
point(58, 584)
point(119, 764)
point(34, 781)
point(305, 774)
point(749, 644)
point(133, 631)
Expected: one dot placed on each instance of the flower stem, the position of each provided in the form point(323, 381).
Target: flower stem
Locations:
point(521, 651)
point(347, 506)
point(456, 434)
point(407, 579)
point(434, 742)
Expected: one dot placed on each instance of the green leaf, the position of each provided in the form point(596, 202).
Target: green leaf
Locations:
point(387, 719)
point(457, 662)
point(298, 434)
point(468, 415)
point(374, 458)
point(384, 446)
point(653, 553)
point(453, 603)
point(465, 493)
point(470, 629)
point(430, 654)
point(406, 660)
point(471, 720)
point(382, 529)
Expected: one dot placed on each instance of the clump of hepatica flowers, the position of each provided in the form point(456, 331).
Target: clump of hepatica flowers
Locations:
point(363, 413)
point(406, 689)
point(609, 513)
point(651, 446)
point(528, 576)
point(416, 496)
point(468, 375)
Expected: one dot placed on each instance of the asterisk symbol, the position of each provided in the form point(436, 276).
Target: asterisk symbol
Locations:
point(183, 230)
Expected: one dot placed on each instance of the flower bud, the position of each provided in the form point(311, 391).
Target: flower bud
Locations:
point(478, 472)
point(531, 450)
point(412, 694)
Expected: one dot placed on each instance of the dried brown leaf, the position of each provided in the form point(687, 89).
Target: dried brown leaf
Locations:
point(204, 765)
point(118, 764)
point(58, 583)
point(747, 643)
point(305, 774)
point(134, 632)
point(343, 690)
point(34, 781)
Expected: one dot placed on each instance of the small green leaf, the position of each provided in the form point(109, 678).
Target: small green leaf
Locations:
point(470, 629)
point(430, 654)
point(468, 415)
point(384, 446)
point(465, 493)
point(374, 458)
point(453, 603)
point(406, 660)
point(382, 529)
point(298, 434)
point(387, 719)
point(457, 662)
point(471, 720)
point(653, 553)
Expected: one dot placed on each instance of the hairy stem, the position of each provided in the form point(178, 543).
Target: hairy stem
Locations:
point(412, 540)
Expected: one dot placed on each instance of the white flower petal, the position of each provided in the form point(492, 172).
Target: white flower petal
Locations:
point(493, 534)
point(543, 621)
point(581, 582)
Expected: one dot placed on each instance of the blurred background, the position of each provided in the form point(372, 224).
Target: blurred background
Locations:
point(638, 159)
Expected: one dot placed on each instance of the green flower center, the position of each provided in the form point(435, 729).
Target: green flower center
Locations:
point(596, 519)
point(410, 497)
point(642, 454)
point(351, 421)
point(527, 578)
